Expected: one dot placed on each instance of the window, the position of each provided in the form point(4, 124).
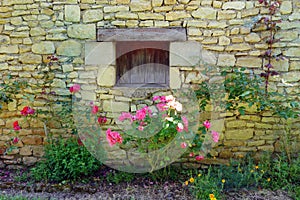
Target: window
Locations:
point(142, 63)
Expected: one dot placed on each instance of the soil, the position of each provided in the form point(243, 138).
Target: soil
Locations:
point(140, 188)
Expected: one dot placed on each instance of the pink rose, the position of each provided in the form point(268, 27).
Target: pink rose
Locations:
point(16, 126)
point(215, 136)
point(75, 88)
point(27, 111)
point(15, 140)
point(206, 124)
point(199, 157)
point(102, 120)
point(95, 109)
point(113, 137)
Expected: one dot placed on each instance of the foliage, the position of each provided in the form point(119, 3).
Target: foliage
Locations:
point(119, 176)
point(269, 173)
point(8, 89)
point(64, 159)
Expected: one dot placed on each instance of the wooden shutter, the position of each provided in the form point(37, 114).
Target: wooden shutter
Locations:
point(142, 63)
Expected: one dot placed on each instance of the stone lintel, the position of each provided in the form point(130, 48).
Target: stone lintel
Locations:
point(141, 34)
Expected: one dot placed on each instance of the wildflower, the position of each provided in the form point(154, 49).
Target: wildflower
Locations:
point(113, 137)
point(186, 182)
point(215, 136)
point(199, 175)
point(199, 157)
point(269, 179)
point(16, 126)
point(95, 109)
point(192, 154)
point(206, 124)
point(75, 88)
point(102, 120)
point(140, 128)
point(15, 140)
point(223, 181)
point(183, 145)
point(179, 127)
point(27, 111)
point(252, 171)
point(211, 196)
point(256, 167)
point(192, 180)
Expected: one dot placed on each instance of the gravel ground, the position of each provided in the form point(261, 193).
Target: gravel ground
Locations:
point(140, 188)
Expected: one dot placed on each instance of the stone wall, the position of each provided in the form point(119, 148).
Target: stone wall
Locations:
point(31, 30)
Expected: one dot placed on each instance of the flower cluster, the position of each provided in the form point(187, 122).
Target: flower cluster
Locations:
point(167, 118)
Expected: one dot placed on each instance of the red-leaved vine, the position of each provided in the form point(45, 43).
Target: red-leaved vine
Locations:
point(271, 25)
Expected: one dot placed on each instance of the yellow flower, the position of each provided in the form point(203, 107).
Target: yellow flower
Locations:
point(252, 171)
point(199, 175)
point(223, 181)
point(256, 167)
point(192, 180)
point(268, 179)
point(186, 182)
point(211, 196)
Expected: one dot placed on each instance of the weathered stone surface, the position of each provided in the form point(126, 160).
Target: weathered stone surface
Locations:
point(226, 14)
point(157, 3)
point(234, 5)
point(106, 76)
point(100, 53)
point(9, 49)
point(175, 79)
point(185, 53)
point(169, 2)
point(114, 106)
point(223, 40)
point(286, 7)
point(291, 76)
point(176, 15)
point(72, 13)
point(29, 58)
point(43, 48)
point(240, 134)
point(238, 47)
point(4, 39)
point(226, 60)
point(126, 15)
point(252, 38)
point(113, 9)
point(292, 52)
point(140, 6)
point(28, 161)
point(82, 31)
point(92, 16)
point(154, 16)
point(205, 13)
point(286, 35)
point(58, 83)
point(26, 151)
point(69, 48)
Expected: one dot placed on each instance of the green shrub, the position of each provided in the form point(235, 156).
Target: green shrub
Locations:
point(65, 159)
